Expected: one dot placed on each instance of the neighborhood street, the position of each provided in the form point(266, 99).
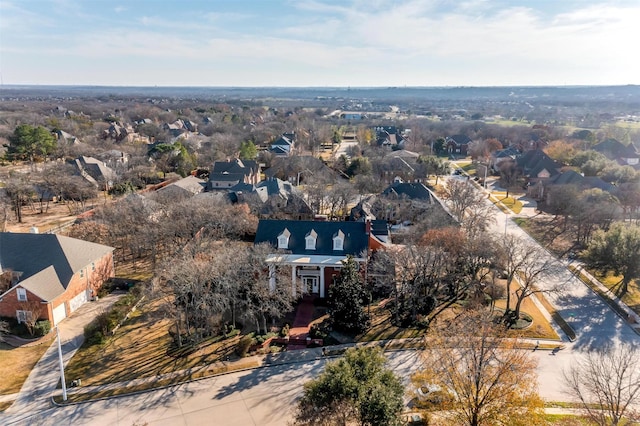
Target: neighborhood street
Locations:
point(266, 396)
point(263, 396)
point(594, 322)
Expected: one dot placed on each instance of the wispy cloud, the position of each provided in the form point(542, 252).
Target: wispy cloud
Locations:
point(360, 41)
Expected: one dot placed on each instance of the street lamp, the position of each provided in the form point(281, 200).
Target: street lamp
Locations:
point(64, 385)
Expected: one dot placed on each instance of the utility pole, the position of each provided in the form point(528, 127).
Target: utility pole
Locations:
point(64, 385)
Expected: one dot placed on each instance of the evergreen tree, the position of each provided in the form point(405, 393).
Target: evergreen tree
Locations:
point(347, 299)
point(356, 389)
point(29, 143)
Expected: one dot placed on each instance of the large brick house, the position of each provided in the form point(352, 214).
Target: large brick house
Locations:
point(48, 275)
point(315, 250)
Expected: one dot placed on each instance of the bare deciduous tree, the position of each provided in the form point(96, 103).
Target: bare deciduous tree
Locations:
point(489, 380)
point(606, 382)
point(462, 195)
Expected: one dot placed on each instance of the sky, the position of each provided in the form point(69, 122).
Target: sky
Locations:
point(320, 43)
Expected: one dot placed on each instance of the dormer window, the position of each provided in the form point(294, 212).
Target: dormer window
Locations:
point(310, 240)
point(338, 241)
point(283, 239)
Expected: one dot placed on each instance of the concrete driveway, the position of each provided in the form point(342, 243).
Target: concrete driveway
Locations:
point(41, 383)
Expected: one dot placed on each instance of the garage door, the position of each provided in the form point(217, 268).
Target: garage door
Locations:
point(77, 301)
point(59, 313)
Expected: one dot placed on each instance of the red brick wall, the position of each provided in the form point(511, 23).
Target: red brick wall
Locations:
point(10, 304)
point(92, 278)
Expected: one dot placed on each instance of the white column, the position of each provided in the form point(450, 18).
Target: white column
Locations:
point(272, 277)
point(294, 284)
point(322, 281)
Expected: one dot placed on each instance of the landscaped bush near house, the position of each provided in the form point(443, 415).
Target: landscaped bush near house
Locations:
point(260, 339)
point(284, 331)
point(243, 345)
point(106, 322)
point(42, 328)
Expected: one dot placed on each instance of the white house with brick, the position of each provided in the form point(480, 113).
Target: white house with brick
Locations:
point(49, 275)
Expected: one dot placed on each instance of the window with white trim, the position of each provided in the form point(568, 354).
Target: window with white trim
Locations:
point(338, 241)
point(310, 240)
point(22, 294)
point(283, 239)
point(23, 316)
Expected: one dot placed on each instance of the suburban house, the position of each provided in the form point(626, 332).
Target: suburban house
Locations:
point(66, 138)
point(511, 153)
point(95, 171)
point(298, 169)
point(49, 276)
point(181, 189)
point(571, 177)
point(283, 146)
point(274, 198)
point(417, 192)
point(314, 251)
point(626, 155)
point(180, 126)
point(537, 167)
point(457, 144)
point(225, 174)
point(401, 164)
point(390, 136)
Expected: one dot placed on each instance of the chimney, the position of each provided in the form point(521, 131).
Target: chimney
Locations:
point(367, 227)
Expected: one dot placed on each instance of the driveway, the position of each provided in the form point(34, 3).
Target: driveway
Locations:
point(41, 383)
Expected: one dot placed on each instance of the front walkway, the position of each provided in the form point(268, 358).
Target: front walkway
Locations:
point(301, 324)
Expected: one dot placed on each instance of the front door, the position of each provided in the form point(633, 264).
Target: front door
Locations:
point(311, 285)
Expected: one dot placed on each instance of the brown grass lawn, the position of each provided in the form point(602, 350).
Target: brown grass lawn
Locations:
point(141, 270)
point(17, 364)
point(382, 329)
point(142, 347)
point(539, 329)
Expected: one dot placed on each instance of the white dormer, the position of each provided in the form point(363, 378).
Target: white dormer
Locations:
point(310, 240)
point(283, 239)
point(338, 241)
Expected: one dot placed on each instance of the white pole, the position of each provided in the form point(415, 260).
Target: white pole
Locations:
point(64, 385)
point(506, 221)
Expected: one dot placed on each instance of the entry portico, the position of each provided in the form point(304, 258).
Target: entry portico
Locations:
point(309, 274)
point(315, 250)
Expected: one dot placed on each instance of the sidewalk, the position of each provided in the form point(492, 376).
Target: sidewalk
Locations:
point(44, 377)
point(284, 358)
point(632, 318)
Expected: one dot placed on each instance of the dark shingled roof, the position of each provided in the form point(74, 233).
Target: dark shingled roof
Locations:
point(571, 177)
point(534, 161)
point(615, 148)
point(35, 254)
point(356, 240)
point(413, 191)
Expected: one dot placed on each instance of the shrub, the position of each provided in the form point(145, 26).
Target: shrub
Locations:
point(93, 334)
point(42, 328)
point(284, 331)
point(243, 345)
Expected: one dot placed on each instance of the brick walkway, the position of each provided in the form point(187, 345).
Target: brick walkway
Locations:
point(300, 328)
